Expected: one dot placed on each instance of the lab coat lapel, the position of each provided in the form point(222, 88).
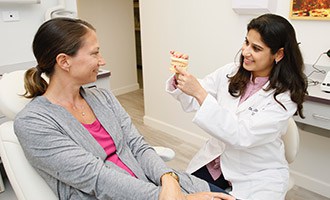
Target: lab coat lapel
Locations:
point(254, 99)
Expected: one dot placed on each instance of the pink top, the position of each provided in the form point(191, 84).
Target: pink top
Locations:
point(253, 87)
point(214, 166)
point(107, 143)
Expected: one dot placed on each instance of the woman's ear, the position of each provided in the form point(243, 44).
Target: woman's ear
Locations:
point(62, 61)
point(279, 55)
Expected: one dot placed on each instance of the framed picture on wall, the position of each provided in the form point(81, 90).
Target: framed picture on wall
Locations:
point(310, 9)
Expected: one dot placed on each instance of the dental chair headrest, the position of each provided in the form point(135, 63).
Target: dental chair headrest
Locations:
point(11, 91)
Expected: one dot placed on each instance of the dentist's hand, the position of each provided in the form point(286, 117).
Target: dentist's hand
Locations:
point(209, 196)
point(190, 85)
point(178, 60)
point(177, 54)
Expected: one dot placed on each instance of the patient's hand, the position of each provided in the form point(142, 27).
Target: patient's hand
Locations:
point(171, 189)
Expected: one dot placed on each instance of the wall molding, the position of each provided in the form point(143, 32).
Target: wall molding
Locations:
point(126, 89)
point(175, 131)
point(311, 184)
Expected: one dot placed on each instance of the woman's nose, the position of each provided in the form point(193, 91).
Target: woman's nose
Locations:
point(101, 61)
point(246, 51)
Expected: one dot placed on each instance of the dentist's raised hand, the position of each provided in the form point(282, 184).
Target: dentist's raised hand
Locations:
point(190, 85)
point(177, 54)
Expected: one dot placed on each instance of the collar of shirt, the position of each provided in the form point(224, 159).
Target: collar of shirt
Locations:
point(253, 86)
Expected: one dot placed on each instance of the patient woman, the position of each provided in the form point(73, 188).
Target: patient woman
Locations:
point(80, 140)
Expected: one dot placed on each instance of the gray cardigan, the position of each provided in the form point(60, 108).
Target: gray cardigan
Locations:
point(74, 165)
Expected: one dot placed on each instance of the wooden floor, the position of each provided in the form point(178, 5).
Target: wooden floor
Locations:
point(133, 103)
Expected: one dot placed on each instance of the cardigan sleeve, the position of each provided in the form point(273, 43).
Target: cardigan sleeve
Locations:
point(150, 162)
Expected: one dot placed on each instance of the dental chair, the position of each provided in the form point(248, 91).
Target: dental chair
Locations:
point(291, 145)
point(25, 181)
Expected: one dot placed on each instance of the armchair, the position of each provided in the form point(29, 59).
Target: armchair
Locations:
point(26, 182)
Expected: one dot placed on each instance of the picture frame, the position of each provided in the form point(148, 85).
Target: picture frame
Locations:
point(310, 9)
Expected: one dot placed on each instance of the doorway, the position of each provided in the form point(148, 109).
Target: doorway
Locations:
point(138, 43)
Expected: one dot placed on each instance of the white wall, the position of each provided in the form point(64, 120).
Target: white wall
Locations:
point(16, 37)
point(114, 23)
point(311, 167)
point(112, 19)
point(211, 33)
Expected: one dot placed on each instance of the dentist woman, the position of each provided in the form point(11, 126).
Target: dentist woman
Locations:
point(245, 108)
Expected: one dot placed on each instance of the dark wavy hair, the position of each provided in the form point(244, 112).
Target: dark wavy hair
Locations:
point(55, 36)
point(286, 75)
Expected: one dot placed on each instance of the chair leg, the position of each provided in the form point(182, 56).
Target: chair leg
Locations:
point(2, 186)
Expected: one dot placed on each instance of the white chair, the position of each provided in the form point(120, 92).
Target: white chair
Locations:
point(291, 145)
point(26, 182)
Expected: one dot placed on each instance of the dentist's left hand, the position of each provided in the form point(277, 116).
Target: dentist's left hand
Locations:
point(190, 85)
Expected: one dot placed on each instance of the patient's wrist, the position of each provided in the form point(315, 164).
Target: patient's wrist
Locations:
point(169, 176)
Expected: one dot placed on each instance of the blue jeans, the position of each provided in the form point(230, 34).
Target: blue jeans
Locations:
point(204, 174)
point(214, 188)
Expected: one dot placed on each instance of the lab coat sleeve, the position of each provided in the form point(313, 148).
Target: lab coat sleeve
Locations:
point(188, 103)
point(245, 130)
point(210, 83)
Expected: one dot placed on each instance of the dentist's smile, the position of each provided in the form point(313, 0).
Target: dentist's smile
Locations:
point(248, 61)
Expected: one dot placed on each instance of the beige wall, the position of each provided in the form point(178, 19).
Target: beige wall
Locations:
point(114, 23)
point(211, 33)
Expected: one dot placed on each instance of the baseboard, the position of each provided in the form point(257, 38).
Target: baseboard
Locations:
point(175, 131)
point(126, 89)
point(311, 184)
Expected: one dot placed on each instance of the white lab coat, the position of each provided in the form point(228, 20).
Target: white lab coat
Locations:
point(247, 136)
